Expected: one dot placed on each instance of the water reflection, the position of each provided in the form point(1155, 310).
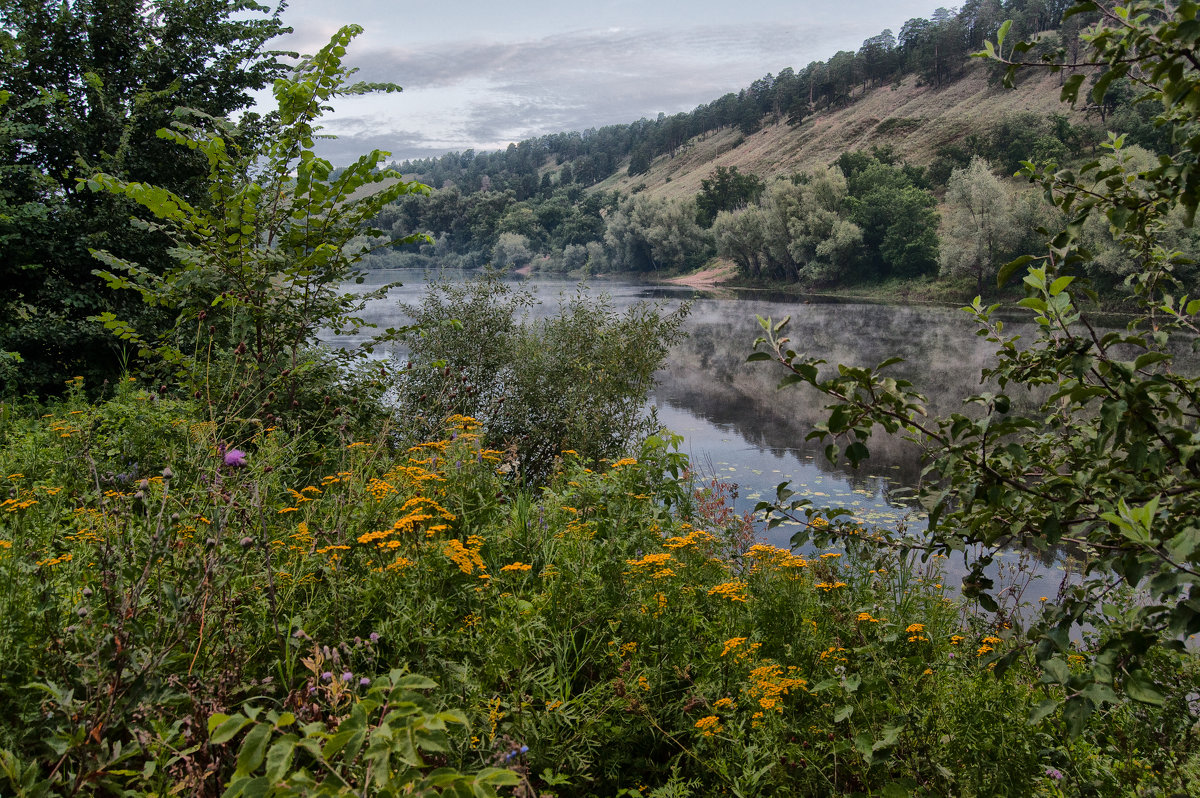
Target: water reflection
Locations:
point(737, 426)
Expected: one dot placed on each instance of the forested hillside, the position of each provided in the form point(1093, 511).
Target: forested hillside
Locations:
point(885, 163)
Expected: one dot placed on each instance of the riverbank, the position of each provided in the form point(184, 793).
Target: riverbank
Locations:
point(724, 275)
point(933, 291)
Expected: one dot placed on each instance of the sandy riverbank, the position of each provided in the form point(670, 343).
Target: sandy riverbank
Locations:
point(708, 278)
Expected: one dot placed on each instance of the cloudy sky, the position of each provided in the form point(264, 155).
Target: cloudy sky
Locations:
point(482, 74)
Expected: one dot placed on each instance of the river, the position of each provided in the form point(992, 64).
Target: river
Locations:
point(735, 424)
point(738, 427)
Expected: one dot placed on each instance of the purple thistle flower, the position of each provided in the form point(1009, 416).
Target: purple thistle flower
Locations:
point(327, 676)
point(374, 637)
point(364, 681)
point(235, 458)
point(347, 676)
point(1054, 773)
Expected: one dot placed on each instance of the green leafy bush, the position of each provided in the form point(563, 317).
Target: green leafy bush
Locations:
point(262, 265)
point(378, 747)
point(575, 380)
point(610, 632)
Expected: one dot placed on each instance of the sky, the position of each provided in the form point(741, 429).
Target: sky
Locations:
point(480, 75)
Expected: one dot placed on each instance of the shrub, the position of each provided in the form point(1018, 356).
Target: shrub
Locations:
point(575, 380)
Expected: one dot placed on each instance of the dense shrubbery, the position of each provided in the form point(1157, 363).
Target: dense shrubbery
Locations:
point(618, 632)
point(1105, 462)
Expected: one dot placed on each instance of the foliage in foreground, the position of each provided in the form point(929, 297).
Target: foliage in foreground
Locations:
point(185, 610)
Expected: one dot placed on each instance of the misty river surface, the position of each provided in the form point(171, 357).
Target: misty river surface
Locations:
point(738, 427)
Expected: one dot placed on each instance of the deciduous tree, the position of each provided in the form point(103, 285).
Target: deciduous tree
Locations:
point(89, 83)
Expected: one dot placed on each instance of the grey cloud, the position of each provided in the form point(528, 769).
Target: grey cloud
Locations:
point(576, 80)
point(403, 145)
point(619, 52)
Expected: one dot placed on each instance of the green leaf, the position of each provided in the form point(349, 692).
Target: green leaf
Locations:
point(1070, 89)
point(413, 681)
point(1143, 690)
point(856, 453)
point(253, 749)
point(1042, 711)
point(1060, 284)
point(890, 736)
point(1055, 671)
point(223, 728)
point(1002, 34)
point(1007, 270)
point(865, 745)
point(842, 713)
point(279, 757)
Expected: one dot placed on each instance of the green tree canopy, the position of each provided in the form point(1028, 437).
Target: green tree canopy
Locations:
point(725, 190)
point(89, 83)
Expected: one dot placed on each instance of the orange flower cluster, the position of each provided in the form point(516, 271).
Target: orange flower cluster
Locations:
point(734, 591)
point(465, 556)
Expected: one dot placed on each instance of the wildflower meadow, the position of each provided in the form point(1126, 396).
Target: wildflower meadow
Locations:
point(186, 612)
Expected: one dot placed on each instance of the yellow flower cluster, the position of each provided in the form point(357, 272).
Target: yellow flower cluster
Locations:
point(731, 644)
point(710, 725)
point(651, 560)
point(734, 591)
point(828, 586)
point(466, 557)
point(380, 489)
point(693, 538)
point(916, 633)
point(772, 555)
point(517, 566)
point(656, 609)
point(418, 510)
point(834, 653)
point(770, 682)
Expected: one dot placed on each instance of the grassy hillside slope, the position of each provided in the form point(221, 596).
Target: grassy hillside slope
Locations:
point(912, 118)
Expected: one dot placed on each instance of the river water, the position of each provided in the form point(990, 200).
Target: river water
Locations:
point(738, 427)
